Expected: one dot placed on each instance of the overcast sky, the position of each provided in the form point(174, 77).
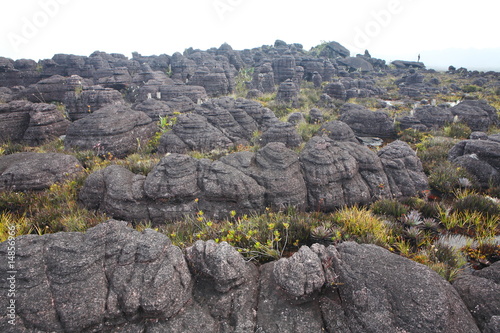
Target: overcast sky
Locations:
point(389, 29)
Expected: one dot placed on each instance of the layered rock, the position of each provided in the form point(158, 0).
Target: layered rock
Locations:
point(114, 129)
point(338, 131)
point(341, 173)
point(365, 122)
point(403, 169)
point(480, 290)
point(285, 133)
point(81, 103)
point(481, 158)
point(113, 278)
point(36, 171)
point(31, 123)
point(478, 114)
point(288, 93)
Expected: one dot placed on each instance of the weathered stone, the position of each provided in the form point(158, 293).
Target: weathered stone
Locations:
point(338, 131)
point(284, 68)
point(403, 169)
point(288, 93)
point(481, 158)
point(196, 93)
point(365, 122)
point(36, 171)
point(480, 290)
point(384, 292)
point(80, 104)
point(341, 173)
point(154, 109)
point(356, 64)
point(336, 90)
point(31, 123)
point(478, 114)
point(215, 83)
point(114, 129)
point(285, 133)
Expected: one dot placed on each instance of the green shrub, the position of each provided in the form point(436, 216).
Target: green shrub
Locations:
point(470, 88)
point(457, 131)
point(389, 207)
point(446, 177)
point(476, 203)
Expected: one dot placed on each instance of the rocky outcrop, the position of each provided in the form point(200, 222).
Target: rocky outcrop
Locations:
point(154, 109)
point(478, 114)
point(31, 123)
point(481, 158)
point(113, 278)
point(338, 131)
point(193, 132)
point(336, 90)
point(403, 169)
point(197, 94)
point(36, 171)
point(480, 290)
point(53, 89)
point(428, 117)
point(282, 132)
point(80, 103)
point(342, 173)
point(288, 93)
point(365, 122)
point(114, 129)
point(284, 68)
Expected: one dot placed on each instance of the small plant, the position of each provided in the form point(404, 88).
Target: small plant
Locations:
point(471, 88)
point(457, 130)
point(411, 135)
point(389, 207)
point(477, 203)
point(307, 131)
point(446, 177)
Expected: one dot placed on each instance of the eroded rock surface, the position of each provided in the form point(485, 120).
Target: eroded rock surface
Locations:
point(113, 278)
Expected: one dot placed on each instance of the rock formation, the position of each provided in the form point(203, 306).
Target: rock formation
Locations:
point(113, 278)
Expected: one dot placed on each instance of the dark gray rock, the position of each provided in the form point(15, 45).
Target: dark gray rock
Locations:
point(365, 122)
point(36, 171)
point(288, 93)
point(296, 118)
point(336, 90)
point(338, 131)
point(181, 104)
point(263, 79)
point(53, 89)
point(114, 129)
point(432, 116)
point(480, 290)
point(341, 173)
point(193, 132)
point(284, 68)
point(113, 278)
point(403, 64)
point(154, 109)
point(403, 169)
point(118, 78)
point(225, 285)
point(315, 116)
point(73, 282)
point(334, 50)
point(31, 123)
point(481, 158)
point(215, 83)
point(182, 67)
point(278, 170)
point(383, 292)
point(356, 64)
point(478, 114)
point(227, 189)
point(317, 79)
point(285, 133)
point(80, 104)
point(197, 94)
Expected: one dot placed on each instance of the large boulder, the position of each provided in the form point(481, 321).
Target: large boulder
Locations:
point(197, 94)
point(288, 93)
point(285, 133)
point(403, 169)
point(365, 122)
point(338, 131)
point(481, 158)
point(53, 89)
point(36, 171)
point(480, 290)
point(478, 114)
point(193, 132)
point(278, 170)
point(284, 68)
point(97, 281)
point(115, 279)
point(341, 173)
point(114, 129)
point(81, 103)
point(31, 123)
point(379, 291)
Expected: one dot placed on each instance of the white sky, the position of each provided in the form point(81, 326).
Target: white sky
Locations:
point(389, 29)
